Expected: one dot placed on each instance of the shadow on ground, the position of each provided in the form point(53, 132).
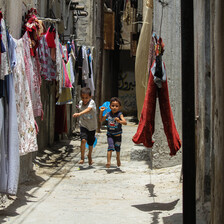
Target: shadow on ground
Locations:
point(175, 218)
point(22, 195)
point(155, 209)
point(114, 170)
point(151, 190)
point(156, 206)
point(53, 166)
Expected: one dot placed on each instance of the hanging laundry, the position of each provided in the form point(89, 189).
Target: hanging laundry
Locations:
point(159, 75)
point(5, 69)
point(32, 67)
point(85, 66)
point(35, 30)
point(152, 52)
point(141, 62)
point(25, 116)
point(31, 26)
point(65, 53)
point(65, 97)
point(80, 64)
point(147, 120)
point(70, 70)
point(65, 81)
point(90, 78)
point(69, 47)
point(58, 63)
point(48, 67)
point(9, 148)
point(50, 38)
point(2, 47)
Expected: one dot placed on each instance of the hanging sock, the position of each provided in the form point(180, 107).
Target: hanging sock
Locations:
point(146, 125)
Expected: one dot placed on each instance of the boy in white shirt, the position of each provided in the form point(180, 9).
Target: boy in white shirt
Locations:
point(87, 122)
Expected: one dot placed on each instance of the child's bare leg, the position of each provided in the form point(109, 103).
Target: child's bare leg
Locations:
point(83, 147)
point(109, 154)
point(90, 155)
point(118, 159)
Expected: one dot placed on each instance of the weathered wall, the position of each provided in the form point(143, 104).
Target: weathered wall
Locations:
point(202, 100)
point(209, 34)
point(171, 35)
point(84, 26)
point(107, 79)
point(217, 35)
point(126, 83)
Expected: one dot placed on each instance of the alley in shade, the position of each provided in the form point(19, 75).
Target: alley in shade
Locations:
point(62, 191)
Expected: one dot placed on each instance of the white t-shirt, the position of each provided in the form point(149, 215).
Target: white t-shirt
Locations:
point(88, 120)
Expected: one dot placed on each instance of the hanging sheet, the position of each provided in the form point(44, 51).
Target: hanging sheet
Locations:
point(142, 53)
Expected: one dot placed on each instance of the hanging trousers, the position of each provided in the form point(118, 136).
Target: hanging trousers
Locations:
point(146, 125)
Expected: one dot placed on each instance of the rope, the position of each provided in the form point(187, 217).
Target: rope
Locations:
point(164, 4)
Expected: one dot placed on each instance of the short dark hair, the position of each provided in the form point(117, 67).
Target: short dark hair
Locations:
point(113, 99)
point(85, 90)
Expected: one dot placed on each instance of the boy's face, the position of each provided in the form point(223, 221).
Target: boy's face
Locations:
point(85, 98)
point(115, 107)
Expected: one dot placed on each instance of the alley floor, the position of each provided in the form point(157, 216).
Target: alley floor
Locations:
point(61, 191)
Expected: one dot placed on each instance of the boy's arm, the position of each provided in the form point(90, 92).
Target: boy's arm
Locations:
point(121, 120)
point(101, 117)
point(88, 109)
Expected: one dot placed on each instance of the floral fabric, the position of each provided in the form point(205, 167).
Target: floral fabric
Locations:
point(25, 117)
point(32, 68)
point(48, 68)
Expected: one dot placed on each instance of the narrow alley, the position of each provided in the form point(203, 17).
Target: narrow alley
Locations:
point(159, 64)
point(62, 191)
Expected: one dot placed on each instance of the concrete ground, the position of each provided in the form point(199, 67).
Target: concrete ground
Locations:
point(62, 191)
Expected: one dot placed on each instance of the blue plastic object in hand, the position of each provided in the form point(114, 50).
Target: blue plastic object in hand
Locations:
point(107, 106)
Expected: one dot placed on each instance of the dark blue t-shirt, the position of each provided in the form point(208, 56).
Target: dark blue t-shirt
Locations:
point(113, 127)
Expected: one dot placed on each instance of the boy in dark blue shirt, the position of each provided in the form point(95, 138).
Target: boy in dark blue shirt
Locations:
point(114, 129)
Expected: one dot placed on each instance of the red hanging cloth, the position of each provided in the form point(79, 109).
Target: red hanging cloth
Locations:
point(146, 125)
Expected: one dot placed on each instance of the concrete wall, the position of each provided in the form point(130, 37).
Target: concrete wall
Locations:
point(209, 67)
point(203, 101)
point(171, 35)
point(85, 25)
point(217, 35)
point(107, 88)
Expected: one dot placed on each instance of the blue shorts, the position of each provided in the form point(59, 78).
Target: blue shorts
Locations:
point(114, 143)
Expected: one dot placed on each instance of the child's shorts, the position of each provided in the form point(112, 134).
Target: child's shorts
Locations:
point(89, 136)
point(114, 142)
